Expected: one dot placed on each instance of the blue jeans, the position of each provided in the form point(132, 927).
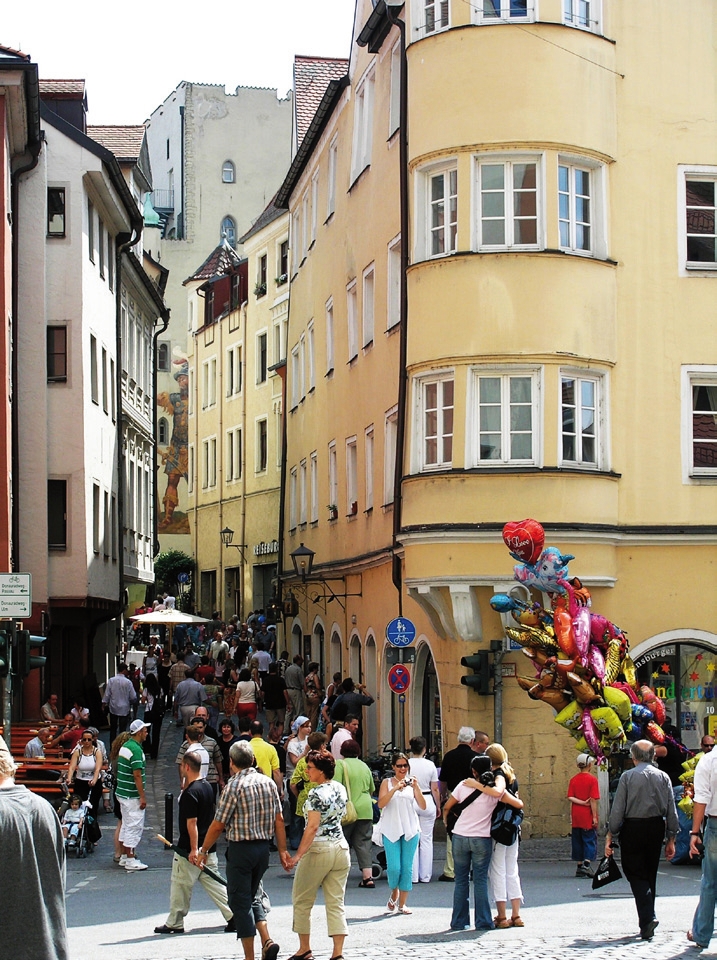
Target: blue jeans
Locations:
point(704, 919)
point(584, 843)
point(475, 852)
point(399, 861)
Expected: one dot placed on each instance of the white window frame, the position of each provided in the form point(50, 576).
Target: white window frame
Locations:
point(295, 376)
point(293, 497)
point(598, 208)
point(314, 487)
point(393, 294)
point(258, 468)
point(390, 430)
point(694, 375)
point(428, 174)
point(295, 246)
point(314, 205)
point(209, 463)
point(281, 335)
point(421, 17)
point(303, 482)
point(332, 172)
point(435, 378)
point(191, 470)
point(369, 451)
point(505, 13)
point(692, 268)
point(234, 371)
point(302, 366)
point(305, 226)
point(473, 431)
point(311, 354)
point(351, 474)
point(329, 336)
point(259, 371)
point(228, 168)
point(509, 161)
point(352, 320)
point(190, 392)
point(234, 454)
point(394, 103)
point(363, 123)
point(583, 15)
point(333, 475)
point(600, 382)
point(368, 301)
point(209, 383)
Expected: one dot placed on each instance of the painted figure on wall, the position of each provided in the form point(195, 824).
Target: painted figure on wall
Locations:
point(176, 457)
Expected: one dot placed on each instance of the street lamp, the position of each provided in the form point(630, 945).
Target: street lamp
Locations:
point(303, 560)
point(227, 535)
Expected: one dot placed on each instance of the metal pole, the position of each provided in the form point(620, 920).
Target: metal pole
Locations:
point(169, 817)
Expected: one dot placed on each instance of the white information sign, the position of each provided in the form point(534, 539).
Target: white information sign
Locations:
point(15, 595)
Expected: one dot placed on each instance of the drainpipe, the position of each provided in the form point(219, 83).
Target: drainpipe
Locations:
point(282, 484)
point(242, 527)
point(403, 333)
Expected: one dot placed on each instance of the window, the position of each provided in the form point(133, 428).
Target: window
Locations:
point(331, 192)
point(228, 172)
point(507, 418)
point(283, 275)
point(106, 528)
point(209, 463)
point(234, 454)
point(389, 453)
point(582, 13)
point(314, 487)
point(95, 518)
point(94, 385)
point(57, 514)
point(305, 224)
point(700, 204)
point(110, 263)
point(352, 320)
point(302, 491)
point(91, 230)
point(281, 333)
point(368, 446)
point(261, 358)
point(235, 295)
point(574, 209)
point(435, 13)
point(113, 525)
point(368, 305)
point(496, 11)
point(234, 370)
point(293, 497)
point(163, 431)
point(436, 426)
point(329, 336)
point(262, 452)
point(163, 356)
point(209, 383)
point(104, 380)
point(508, 191)
point(311, 354)
point(333, 477)
point(443, 212)
point(393, 313)
point(363, 124)
point(56, 211)
point(580, 420)
point(700, 420)
point(351, 476)
point(113, 395)
point(295, 241)
point(167, 148)
point(228, 232)
point(261, 274)
point(295, 377)
point(314, 204)
point(56, 354)
point(190, 471)
point(394, 106)
point(101, 244)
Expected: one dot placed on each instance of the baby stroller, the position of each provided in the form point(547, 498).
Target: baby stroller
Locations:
point(81, 844)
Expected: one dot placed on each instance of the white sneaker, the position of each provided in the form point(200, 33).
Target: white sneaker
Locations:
point(134, 864)
point(122, 860)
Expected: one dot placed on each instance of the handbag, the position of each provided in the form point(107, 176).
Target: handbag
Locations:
point(350, 816)
point(455, 812)
point(607, 872)
point(506, 821)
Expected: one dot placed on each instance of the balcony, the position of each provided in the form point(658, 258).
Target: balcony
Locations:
point(163, 201)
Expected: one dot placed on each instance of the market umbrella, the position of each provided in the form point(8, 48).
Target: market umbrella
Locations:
point(168, 616)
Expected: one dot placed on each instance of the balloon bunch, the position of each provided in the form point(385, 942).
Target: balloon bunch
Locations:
point(582, 665)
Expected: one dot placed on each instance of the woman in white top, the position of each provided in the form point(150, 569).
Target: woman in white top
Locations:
point(400, 829)
point(427, 776)
point(247, 701)
point(86, 767)
point(297, 745)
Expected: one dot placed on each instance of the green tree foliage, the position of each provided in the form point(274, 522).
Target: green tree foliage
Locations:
point(168, 566)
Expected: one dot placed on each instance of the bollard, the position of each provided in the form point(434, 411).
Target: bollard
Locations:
point(169, 817)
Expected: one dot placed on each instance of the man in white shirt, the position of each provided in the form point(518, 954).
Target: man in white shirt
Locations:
point(347, 732)
point(704, 813)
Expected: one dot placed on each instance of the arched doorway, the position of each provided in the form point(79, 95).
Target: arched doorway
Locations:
point(335, 658)
point(370, 740)
point(426, 701)
point(317, 650)
point(296, 640)
point(355, 665)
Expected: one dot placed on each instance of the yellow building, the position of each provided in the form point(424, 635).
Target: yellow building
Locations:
point(560, 361)
point(235, 417)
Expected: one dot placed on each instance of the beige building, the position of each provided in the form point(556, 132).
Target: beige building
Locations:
point(552, 355)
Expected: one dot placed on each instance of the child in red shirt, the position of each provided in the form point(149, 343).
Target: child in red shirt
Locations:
point(583, 794)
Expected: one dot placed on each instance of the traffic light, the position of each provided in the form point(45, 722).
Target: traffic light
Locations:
point(5, 648)
point(479, 663)
point(25, 660)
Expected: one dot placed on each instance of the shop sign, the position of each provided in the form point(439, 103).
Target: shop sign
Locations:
point(263, 549)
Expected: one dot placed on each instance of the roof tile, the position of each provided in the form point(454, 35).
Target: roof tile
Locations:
point(73, 89)
point(124, 142)
point(311, 78)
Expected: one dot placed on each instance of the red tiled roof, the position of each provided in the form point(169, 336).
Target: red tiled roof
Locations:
point(311, 78)
point(13, 53)
point(222, 260)
point(71, 89)
point(124, 142)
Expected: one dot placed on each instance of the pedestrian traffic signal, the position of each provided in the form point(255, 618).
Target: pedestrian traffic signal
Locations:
point(479, 663)
point(25, 660)
point(5, 648)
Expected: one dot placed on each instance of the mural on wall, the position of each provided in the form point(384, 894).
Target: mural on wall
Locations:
point(175, 457)
point(583, 668)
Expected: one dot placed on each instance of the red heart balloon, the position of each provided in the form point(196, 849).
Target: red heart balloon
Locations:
point(525, 539)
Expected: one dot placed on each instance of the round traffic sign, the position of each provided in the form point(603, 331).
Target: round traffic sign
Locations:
point(401, 632)
point(399, 678)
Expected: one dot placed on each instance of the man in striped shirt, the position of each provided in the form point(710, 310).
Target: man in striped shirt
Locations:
point(131, 794)
point(250, 811)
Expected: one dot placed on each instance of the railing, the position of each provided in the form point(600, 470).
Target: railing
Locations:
point(163, 199)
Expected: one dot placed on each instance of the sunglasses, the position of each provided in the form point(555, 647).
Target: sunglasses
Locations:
point(402, 766)
point(88, 739)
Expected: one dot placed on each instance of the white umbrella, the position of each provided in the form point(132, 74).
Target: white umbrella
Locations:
point(168, 616)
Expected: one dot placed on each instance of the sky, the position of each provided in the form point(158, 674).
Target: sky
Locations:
point(132, 63)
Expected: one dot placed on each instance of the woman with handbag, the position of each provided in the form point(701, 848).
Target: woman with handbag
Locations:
point(398, 797)
point(503, 876)
point(356, 776)
point(477, 797)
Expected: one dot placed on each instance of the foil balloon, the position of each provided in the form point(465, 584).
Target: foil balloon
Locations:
point(524, 540)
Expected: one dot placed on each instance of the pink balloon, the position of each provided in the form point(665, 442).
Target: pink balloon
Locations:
point(596, 662)
point(581, 631)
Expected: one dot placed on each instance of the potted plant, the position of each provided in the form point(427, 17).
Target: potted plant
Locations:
point(281, 279)
point(333, 511)
point(260, 290)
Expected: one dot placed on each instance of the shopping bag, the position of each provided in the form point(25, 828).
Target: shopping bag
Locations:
point(607, 872)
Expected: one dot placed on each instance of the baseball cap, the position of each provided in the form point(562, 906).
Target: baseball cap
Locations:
point(583, 759)
point(137, 725)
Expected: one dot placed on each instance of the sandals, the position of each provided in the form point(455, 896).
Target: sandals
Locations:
point(501, 923)
point(692, 940)
point(390, 906)
point(516, 922)
point(405, 911)
point(368, 883)
point(303, 956)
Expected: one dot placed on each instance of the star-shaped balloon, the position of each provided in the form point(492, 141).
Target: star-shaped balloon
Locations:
point(711, 667)
point(699, 656)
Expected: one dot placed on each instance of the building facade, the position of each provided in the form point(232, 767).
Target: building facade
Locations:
point(556, 309)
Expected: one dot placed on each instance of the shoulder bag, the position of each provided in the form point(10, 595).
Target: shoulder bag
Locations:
point(350, 816)
point(506, 821)
point(455, 812)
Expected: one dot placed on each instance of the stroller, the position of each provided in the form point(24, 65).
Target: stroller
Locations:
point(81, 843)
